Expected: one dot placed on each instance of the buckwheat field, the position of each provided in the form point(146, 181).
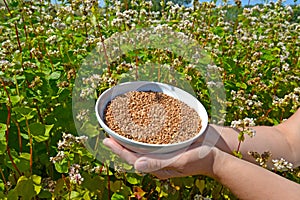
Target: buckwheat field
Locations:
point(50, 142)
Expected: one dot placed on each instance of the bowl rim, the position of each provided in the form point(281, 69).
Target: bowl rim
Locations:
point(204, 122)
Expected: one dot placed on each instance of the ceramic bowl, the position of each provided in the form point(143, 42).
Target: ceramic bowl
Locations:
point(145, 148)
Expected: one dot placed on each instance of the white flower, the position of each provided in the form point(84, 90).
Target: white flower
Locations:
point(52, 39)
point(282, 165)
point(236, 123)
point(59, 156)
point(86, 92)
point(285, 67)
point(249, 121)
point(74, 173)
point(82, 115)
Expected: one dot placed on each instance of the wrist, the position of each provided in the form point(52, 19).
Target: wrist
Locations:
point(219, 162)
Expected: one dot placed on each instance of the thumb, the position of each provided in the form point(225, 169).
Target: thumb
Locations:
point(148, 165)
point(151, 164)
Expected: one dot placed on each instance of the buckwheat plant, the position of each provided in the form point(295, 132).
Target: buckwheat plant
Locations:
point(244, 127)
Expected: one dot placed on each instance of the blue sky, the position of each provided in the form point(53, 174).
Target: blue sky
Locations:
point(244, 2)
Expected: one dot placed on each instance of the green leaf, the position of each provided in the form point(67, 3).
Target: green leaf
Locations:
point(161, 191)
point(132, 180)
point(25, 156)
point(241, 85)
point(44, 194)
point(62, 166)
point(86, 196)
point(12, 195)
point(48, 129)
point(15, 99)
point(74, 194)
point(115, 186)
point(200, 185)
point(93, 183)
point(188, 182)
point(2, 138)
point(25, 111)
point(40, 132)
point(55, 75)
point(218, 30)
point(3, 196)
point(241, 136)
point(36, 179)
point(22, 161)
point(90, 129)
point(17, 57)
point(36, 183)
point(59, 186)
point(69, 20)
point(28, 187)
point(117, 196)
point(2, 186)
point(237, 154)
point(94, 20)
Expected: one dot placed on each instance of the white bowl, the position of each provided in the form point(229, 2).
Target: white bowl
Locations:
point(145, 148)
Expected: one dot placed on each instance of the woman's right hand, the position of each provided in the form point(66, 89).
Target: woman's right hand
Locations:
point(198, 159)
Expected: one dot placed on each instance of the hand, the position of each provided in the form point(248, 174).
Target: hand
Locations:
point(198, 159)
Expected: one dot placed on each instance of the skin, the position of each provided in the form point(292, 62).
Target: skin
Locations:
point(211, 156)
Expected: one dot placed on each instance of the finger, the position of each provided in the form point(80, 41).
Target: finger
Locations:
point(150, 164)
point(147, 165)
point(167, 173)
point(129, 156)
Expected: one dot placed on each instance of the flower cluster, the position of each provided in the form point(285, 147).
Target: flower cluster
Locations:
point(282, 165)
point(59, 157)
point(291, 98)
point(69, 140)
point(244, 124)
point(49, 184)
point(67, 143)
point(82, 115)
point(74, 174)
point(261, 159)
point(200, 197)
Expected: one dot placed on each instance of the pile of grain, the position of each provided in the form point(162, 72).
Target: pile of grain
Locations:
point(152, 117)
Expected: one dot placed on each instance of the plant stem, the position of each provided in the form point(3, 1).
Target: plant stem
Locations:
point(19, 135)
point(8, 106)
point(30, 144)
point(4, 180)
point(39, 114)
point(26, 34)
point(17, 87)
point(104, 48)
point(18, 38)
point(136, 68)
point(16, 28)
point(108, 181)
point(239, 146)
point(7, 7)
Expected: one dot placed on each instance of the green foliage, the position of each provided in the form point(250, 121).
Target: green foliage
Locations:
point(43, 46)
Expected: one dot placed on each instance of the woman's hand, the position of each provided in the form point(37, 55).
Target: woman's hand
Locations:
point(198, 159)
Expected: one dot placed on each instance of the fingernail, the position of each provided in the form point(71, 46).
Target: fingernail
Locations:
point(106, 141)
point(141, 166)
